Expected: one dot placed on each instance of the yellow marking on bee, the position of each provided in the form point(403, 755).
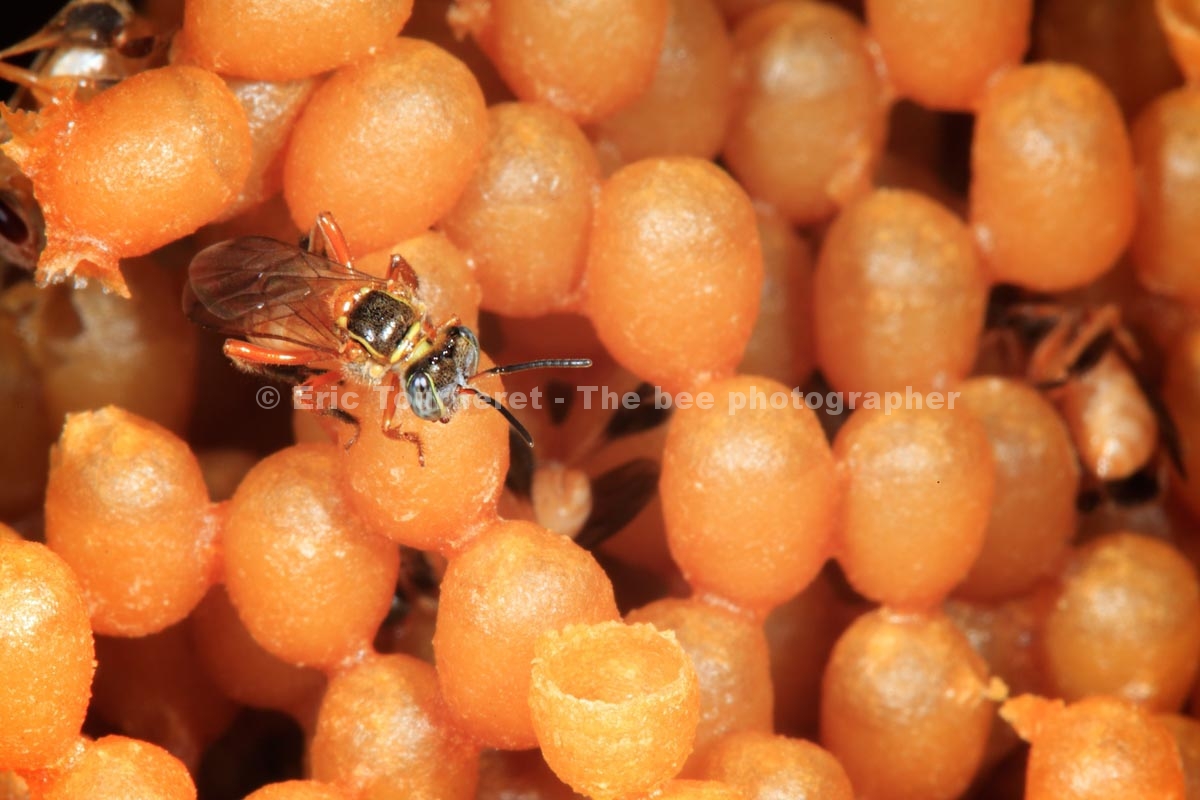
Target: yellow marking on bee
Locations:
point(407, 344)
point(422, 349)
point(375, 354)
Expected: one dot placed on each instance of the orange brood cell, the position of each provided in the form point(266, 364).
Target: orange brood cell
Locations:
point(118, 768)
point(943, 53)
point(810, 108)
point(933, 470)
point(512, 583)
point(127, 508)
point(587, 58)
point(1052, 193)
point(749, 493)
point(899, 296)
point(281, 40)
point(1097, 748)
point(615, 707)
point(310, 581)
point(685, 110)
point(46, 655)
point(733, 667)
point(905, 706)
point(1033, 514)
point(138, 166)
point(525, 216)
point(674, 271)
point(384, 731)
point(386, 144)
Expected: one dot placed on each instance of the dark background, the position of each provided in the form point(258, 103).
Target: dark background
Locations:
point(22, 19)
point(25, 17)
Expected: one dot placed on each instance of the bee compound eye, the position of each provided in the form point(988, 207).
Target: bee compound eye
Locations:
point(466, 350)
point(422, 396)
point(464, 336)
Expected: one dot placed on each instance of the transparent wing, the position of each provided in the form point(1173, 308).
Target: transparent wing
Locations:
point(255, 287)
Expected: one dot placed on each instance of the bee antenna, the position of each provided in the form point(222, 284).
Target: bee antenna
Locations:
point(508, 415)
point(542, 363)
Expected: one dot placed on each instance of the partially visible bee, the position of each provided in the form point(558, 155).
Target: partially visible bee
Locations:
point(87, 47)
point(306, 316)
point(603, 484)
point(22, 227)
point(1086, 361)
point(562, 494)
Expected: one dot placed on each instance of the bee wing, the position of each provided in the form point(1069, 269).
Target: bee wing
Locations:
point(644, 416)
point(618, 496)
point(266, 289)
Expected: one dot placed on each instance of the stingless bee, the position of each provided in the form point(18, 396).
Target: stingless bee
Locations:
point(566, 497)
point(87, 47)
point(306, 316)
point(1086, 361)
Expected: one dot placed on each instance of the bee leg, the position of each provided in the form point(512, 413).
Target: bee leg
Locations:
point(1097, 334)
point(45, 39)
point(1105, 322)
point(248, 356)
point(326, 239)
point(347, 418)
point(407, 436)
point(389, 414)
point(1049, 385)
point(95, 25)
point(1050, 362)
point(401, 272)
point(43, 88)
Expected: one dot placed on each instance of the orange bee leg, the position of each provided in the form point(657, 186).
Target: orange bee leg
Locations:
point(326, 239)
point(43, 88)
point(325, 379)
point(1048, 366)
point(401, 272)
point(1078, 348)
point(1051, 360)
point(249, 355)
point(1102, 321)
point(1107, 319)
point(389, 414)
point(42, 40)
